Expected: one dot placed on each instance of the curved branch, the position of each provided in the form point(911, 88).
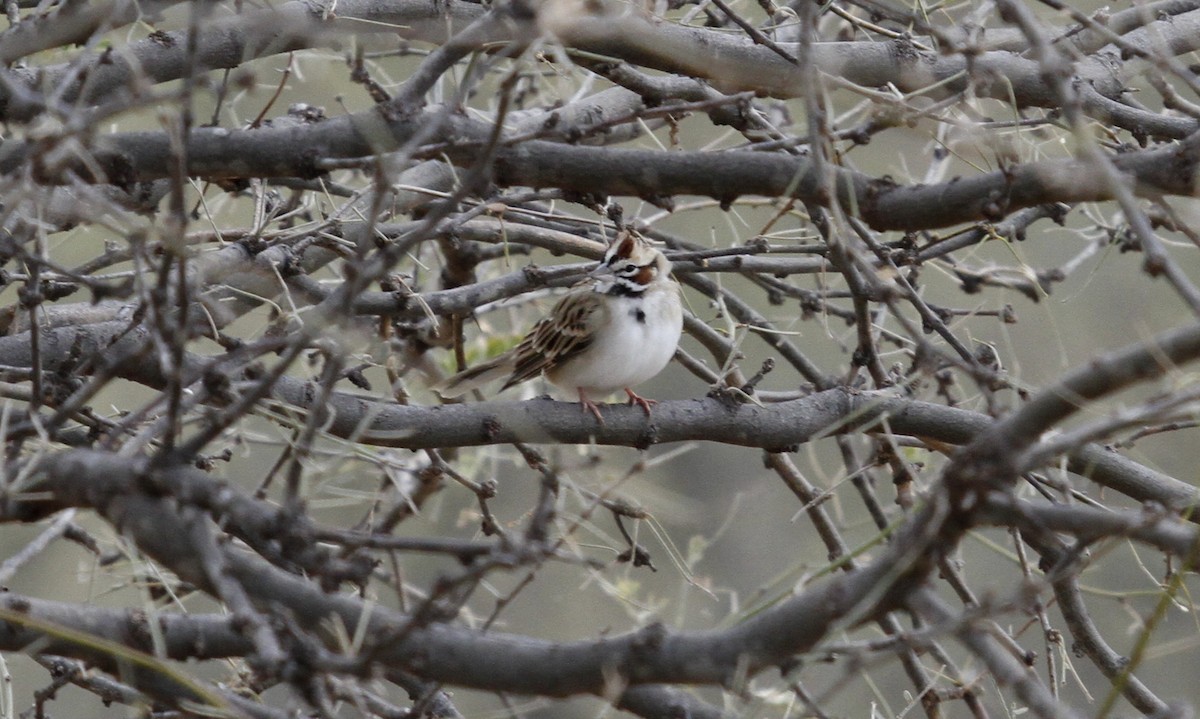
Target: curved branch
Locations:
point(462, 656)
point(1086, 523)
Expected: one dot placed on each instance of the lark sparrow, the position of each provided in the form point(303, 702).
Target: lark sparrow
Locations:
point(616, 329)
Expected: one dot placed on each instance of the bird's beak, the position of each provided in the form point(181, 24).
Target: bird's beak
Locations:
point(600, 271)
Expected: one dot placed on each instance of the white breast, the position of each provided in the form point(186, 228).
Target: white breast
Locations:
point(637, 342)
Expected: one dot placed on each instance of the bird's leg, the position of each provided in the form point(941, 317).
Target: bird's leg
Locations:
point(589, 406)
point(635, 398)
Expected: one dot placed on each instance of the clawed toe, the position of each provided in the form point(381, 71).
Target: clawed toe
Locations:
point(634, 399)
point(640, 401)
point(590, 406)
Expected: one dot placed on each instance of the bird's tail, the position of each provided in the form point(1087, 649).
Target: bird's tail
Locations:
point(475, 377)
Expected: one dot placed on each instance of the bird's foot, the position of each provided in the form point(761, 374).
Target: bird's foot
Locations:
point(635, 398)
point(589, 406)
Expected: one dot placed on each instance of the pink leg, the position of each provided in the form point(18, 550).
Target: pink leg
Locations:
point(589, 406)
point(640, 401)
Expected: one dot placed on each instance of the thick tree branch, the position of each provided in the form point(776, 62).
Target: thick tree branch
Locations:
point(776, 426)
point(463, 656)
point(726, 176)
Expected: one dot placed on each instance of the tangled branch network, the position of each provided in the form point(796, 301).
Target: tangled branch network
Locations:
point(926, 445)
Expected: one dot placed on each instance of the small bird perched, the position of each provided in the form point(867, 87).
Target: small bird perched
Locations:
point(614, 330)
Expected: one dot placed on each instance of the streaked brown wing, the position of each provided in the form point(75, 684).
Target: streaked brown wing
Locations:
point(567, 331)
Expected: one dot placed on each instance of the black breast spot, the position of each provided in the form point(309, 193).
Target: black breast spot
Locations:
point(640, 316)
